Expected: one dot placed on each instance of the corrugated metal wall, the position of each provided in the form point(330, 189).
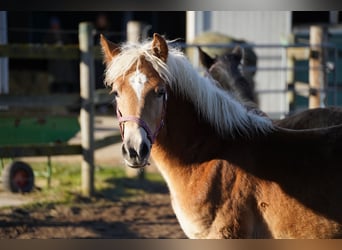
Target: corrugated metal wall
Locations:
point(260, 27)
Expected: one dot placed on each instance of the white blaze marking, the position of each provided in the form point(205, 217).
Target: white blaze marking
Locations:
point(137, 81)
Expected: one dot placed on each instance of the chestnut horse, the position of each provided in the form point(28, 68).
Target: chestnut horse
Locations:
point(225, 69)
point(231, 173)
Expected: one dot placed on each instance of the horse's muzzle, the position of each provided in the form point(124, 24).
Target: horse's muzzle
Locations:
point(136, 159)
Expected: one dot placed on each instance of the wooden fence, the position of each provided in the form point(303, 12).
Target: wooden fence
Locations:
point(86, 53)
point(317, 74)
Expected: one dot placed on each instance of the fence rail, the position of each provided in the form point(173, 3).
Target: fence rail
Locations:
point(45, 51)
point(101, 96)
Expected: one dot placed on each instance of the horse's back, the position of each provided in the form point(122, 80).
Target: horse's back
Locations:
point(312, 118)
point(307, 146)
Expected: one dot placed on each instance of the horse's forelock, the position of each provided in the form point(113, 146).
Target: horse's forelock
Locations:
point(131, 54)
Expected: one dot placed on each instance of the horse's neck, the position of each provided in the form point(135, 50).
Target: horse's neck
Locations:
point(186, 140)
point(224, 78)
point(245, 91)
point(232, 82)
point(184, 130)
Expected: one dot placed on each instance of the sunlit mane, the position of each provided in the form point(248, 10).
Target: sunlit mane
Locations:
point(130, 53)
point(222, 110)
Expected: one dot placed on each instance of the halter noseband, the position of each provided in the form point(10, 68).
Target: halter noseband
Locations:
point(151, 136)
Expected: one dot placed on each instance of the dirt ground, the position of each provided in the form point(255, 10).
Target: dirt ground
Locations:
point(144, 216)
point(148, 216)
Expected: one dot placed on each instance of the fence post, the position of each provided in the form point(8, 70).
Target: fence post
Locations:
point(137, 31)
point(4, 70)
point(87, 85)
point(291, 93)
point(316, 72)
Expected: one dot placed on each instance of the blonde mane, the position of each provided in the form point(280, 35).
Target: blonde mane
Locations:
point(227, 115)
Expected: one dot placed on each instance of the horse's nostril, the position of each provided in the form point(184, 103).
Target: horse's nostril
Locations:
point(132, 153)
point(143, 150)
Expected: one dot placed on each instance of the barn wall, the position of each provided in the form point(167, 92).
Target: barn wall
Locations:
point(260, 27)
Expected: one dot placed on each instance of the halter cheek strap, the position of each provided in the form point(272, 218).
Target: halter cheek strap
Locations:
point(151, 136)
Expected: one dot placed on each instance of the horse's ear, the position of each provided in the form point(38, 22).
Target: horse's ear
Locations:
point(239, 52)
point(110, 50)
point(205, 59)
point(159, 47)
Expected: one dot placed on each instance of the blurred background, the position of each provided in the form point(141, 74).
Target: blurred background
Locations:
point(267, 32)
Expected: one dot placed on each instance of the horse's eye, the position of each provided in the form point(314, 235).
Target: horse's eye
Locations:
point(160, 92)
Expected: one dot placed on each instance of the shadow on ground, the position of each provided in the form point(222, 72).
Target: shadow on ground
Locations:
point(129, 187)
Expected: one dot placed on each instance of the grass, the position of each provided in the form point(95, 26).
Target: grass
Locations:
point(111, 183)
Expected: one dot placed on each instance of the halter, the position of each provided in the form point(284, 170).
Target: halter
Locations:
point(151, 136)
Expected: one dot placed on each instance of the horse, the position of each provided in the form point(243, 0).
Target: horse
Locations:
point(226, 70)
point(230, 173)
point(250, 58)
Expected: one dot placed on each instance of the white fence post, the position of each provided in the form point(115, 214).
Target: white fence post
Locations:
point(316, 72)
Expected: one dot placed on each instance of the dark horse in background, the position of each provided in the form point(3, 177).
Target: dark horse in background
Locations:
point(216, 40)
point(226, 69)
point(231, 173)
